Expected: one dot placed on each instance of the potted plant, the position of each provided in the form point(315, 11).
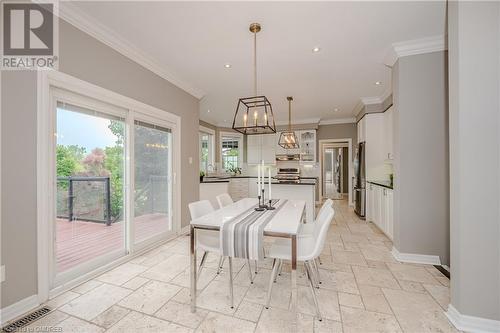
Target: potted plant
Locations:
point(234, 170)
point(202, 174)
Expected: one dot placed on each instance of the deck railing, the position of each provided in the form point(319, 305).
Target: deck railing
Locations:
point(96, 203)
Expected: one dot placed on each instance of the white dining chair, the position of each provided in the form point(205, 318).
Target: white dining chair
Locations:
point(308, 229)
point(309, 247)
point(224, 200)
point(209, 241)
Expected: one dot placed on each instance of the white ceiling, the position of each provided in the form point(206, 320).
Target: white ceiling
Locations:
point(193, 40)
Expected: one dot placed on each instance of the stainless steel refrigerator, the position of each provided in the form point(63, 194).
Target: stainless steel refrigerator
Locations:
point(360, 181)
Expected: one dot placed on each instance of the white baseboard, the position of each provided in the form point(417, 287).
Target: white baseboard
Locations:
point(184, 231)
point(19, 308)
point(415, 258)
point(471, 324)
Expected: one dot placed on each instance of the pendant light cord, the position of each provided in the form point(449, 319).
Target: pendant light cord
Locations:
point(289, 115)
point(255, 63)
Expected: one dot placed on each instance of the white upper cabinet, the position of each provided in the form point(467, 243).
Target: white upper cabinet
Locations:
point(307, 142)
point(375, 155)
point(261, 147)
point(388, 133)
point(361, 130)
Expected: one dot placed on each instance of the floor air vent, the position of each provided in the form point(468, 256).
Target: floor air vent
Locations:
point(28, 319)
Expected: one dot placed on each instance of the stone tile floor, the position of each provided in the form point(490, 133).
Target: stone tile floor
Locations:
point(364, 290)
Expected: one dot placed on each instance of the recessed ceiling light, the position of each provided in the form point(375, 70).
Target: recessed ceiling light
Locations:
point(208, 111)
point(227, 65)
point(316, 49)
point(336, 110)
point(378, 83)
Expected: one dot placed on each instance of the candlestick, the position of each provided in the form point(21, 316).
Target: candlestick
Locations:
point(270, 206)
point(260, 206)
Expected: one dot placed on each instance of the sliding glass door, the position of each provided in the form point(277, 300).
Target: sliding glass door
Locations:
point(113, 177)
point(152, 180)
point(90, 169)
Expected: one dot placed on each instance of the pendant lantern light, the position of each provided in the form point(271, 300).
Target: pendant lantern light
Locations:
point(288, 139)
point(254, 115)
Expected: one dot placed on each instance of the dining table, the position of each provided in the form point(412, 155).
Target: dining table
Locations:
point(285, 223)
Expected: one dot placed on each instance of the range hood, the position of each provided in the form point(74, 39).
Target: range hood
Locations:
point(288, 157)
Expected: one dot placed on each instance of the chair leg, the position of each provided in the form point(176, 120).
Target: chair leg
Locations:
point(221, 263)
point(318, 276)
point(281, 267)
point(271, 281)
point(319, 260)
point(278, 269)
point(256, 267)
point(250, 271)
point(231, 281)
point(202, 263)
point(313, 291)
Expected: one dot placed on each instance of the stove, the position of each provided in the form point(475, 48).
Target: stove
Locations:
point(288, 175)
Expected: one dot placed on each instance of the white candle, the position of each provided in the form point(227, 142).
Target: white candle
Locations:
point(270, 195)
point(258, 180)
point(263, 177)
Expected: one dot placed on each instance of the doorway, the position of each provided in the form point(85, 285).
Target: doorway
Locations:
point(335, 169)
point(335, 172)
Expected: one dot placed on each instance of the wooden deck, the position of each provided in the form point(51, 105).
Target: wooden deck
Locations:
point(79, 241)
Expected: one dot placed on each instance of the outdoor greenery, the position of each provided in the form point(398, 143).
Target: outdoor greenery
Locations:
point(151, 169)
point(73, 160)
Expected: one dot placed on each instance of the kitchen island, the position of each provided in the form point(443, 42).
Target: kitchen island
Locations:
point(242, 186)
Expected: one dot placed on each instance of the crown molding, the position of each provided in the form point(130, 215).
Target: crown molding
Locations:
point(357, 109)
point(364, 101)
point(299, 121)
point(337, 121)
point(414, 47)
point(71, 14)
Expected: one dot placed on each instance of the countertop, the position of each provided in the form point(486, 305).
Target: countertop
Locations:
point(226, 179)
point(383, 183)
point(211, 181)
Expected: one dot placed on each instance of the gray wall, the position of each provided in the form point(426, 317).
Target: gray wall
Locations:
point(421, 214)
point(474, 53)
point(18, 185)
point(339, 131)
point(85, 58)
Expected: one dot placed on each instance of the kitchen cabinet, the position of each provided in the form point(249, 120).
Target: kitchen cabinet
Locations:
point(261, 148)
point(238, 188)
point(375, 157)
point(389, 210)
point(361, 130)
point(307, 142)
point(210, 190)
point(380, 208)
point(388, 133)
point(370, 205)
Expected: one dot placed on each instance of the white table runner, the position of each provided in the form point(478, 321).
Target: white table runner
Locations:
point(242, 236)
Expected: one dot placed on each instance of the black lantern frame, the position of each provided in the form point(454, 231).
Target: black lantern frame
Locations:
point(244, 108)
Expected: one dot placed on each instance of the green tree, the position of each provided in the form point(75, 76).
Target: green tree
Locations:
point(69, 160)
point(113, 163)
